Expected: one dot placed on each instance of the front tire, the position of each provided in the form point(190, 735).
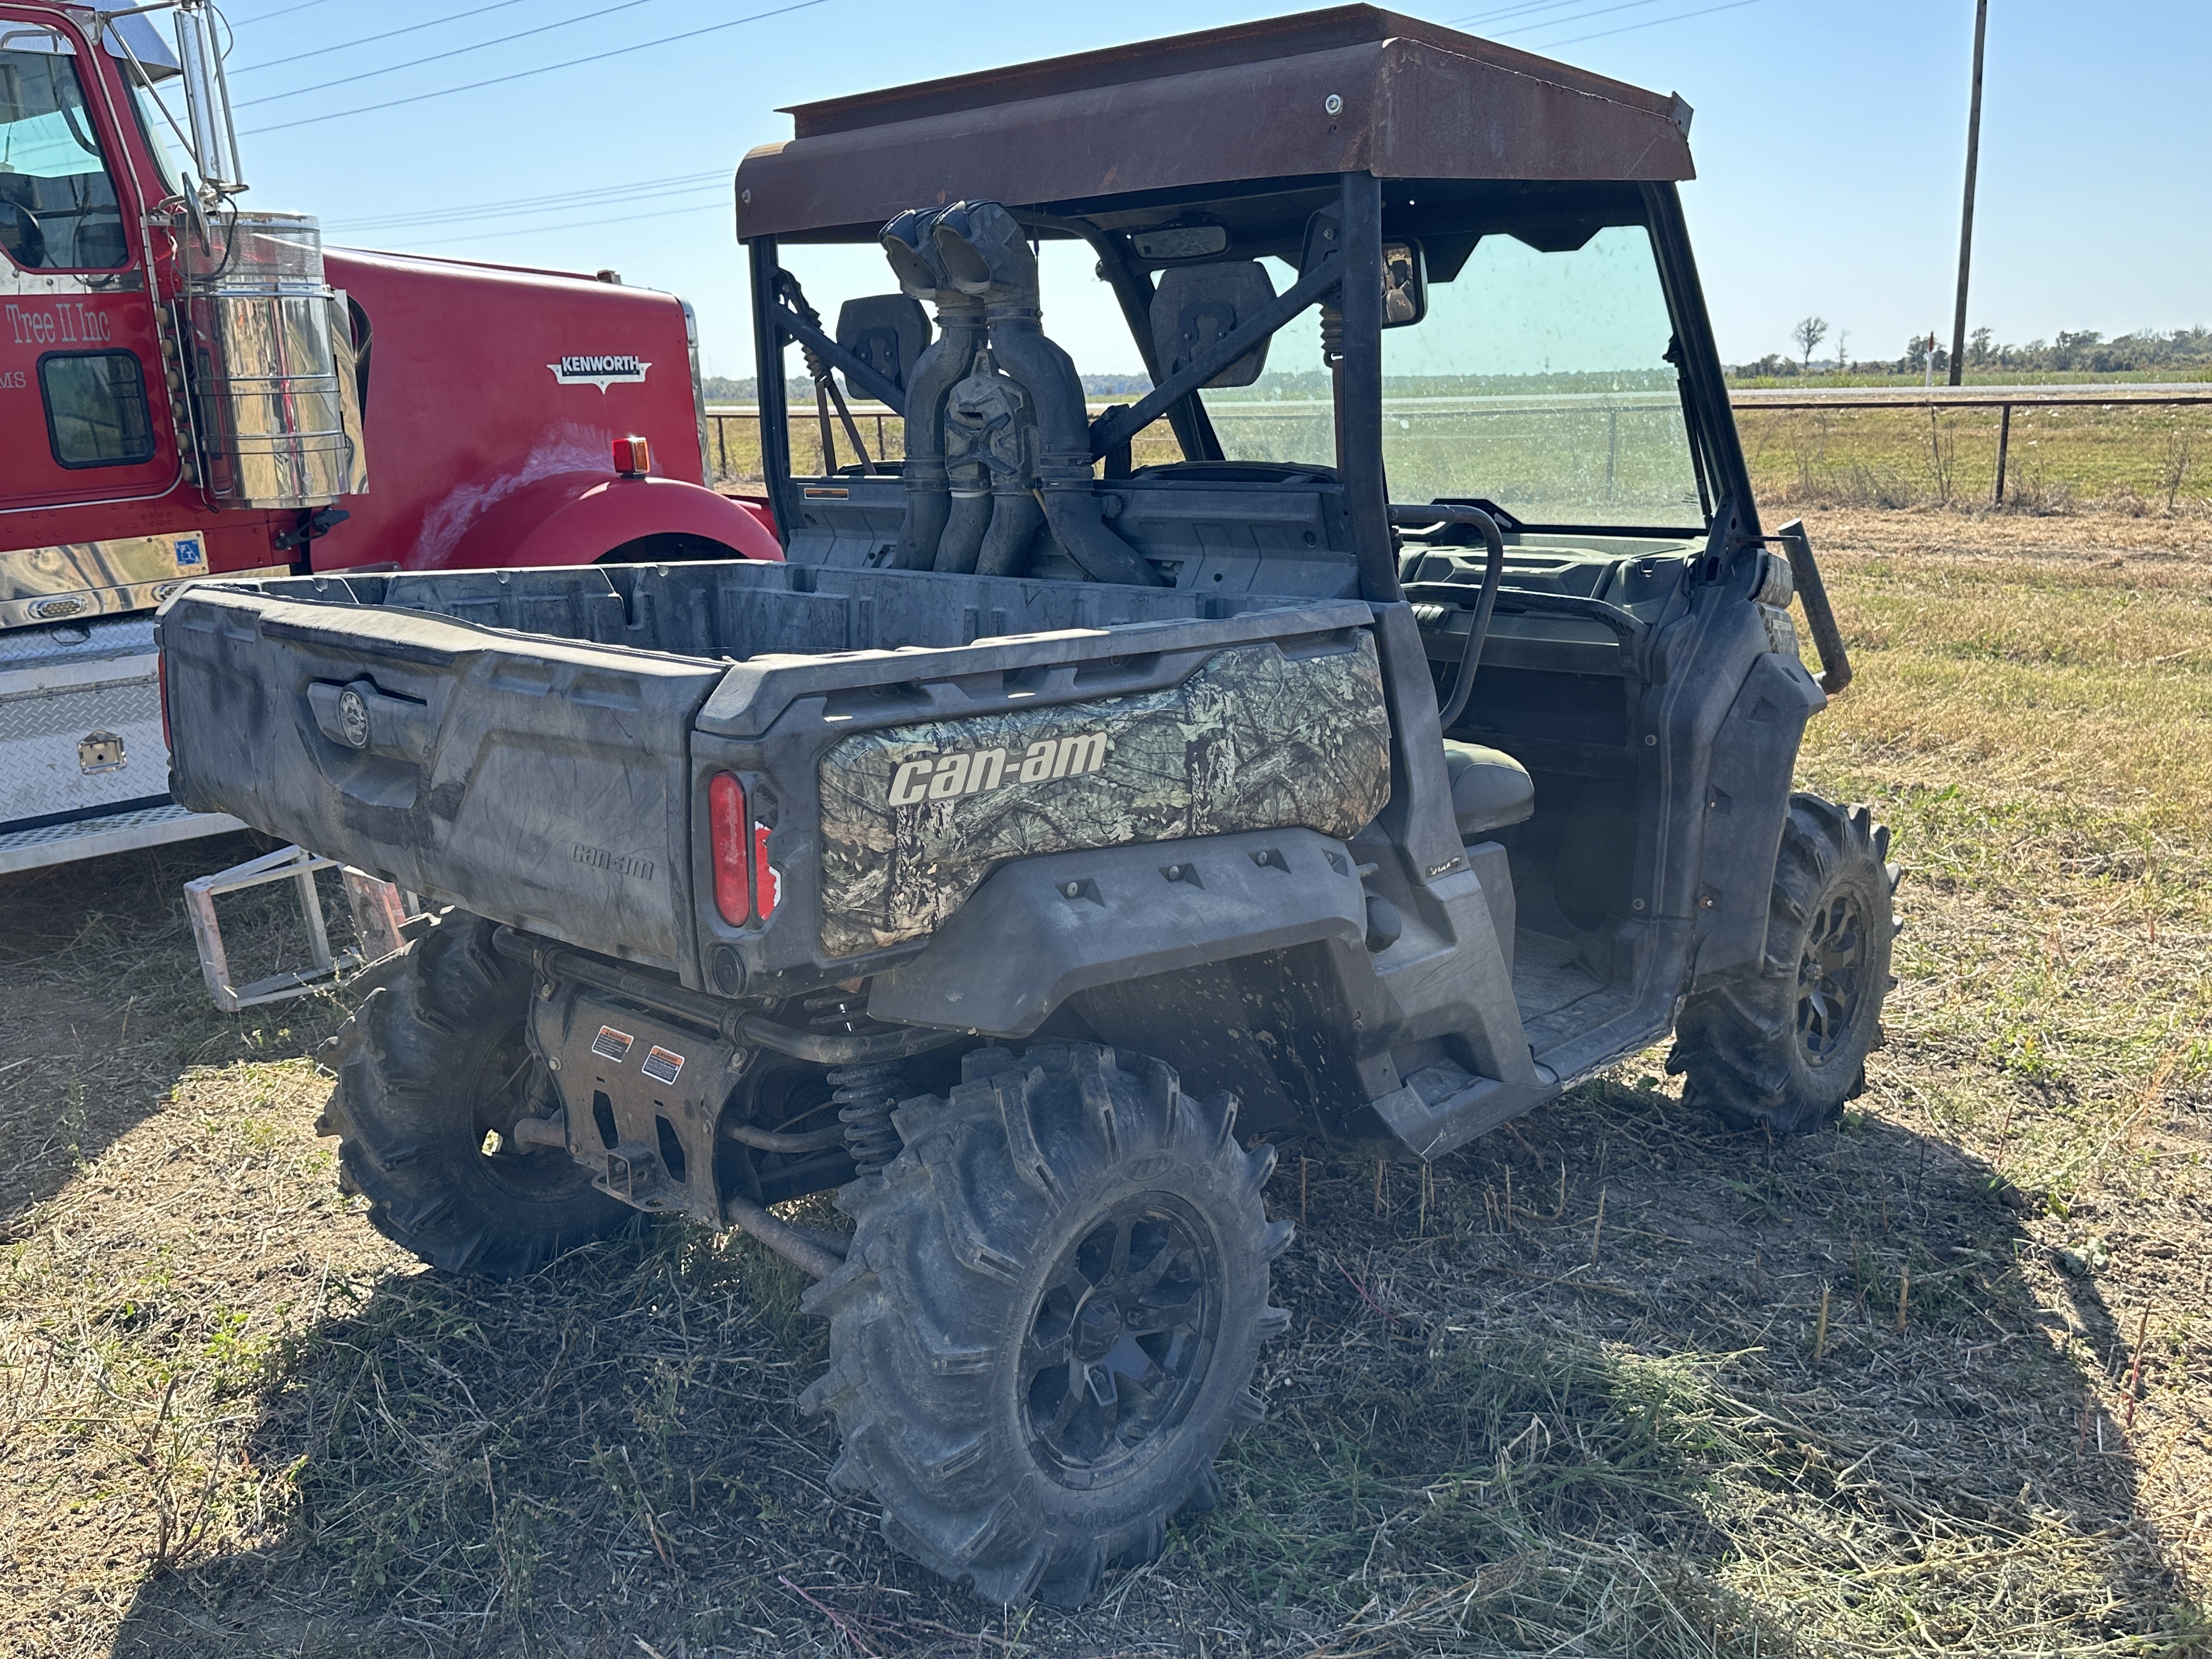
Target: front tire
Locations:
point(1049, 1318)
point(1783, 1049)
point(432, 1073)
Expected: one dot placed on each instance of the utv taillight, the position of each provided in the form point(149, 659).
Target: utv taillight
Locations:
point(728, 825)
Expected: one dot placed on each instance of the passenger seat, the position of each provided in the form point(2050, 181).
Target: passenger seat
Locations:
point(1489, 788)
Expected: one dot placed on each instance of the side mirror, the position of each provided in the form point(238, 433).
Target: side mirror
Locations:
point(1405, 285)
point(1197, 305)
point(1403, 274)
point(886, 331)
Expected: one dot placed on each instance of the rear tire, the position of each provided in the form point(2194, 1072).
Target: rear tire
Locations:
point(433, 1071)
point(1784, 1049)
point(1049, 1318)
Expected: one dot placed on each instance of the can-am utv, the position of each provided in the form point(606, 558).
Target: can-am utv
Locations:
point(1378, 719)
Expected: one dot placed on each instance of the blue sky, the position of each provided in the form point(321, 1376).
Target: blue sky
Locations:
point(1829, 137)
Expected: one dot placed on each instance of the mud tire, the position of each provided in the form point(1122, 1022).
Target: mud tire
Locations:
point(431, 1064)
point(977, 1240)
point(1783, 1048)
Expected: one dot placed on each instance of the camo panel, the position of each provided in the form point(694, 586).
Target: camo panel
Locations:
point(913, 817)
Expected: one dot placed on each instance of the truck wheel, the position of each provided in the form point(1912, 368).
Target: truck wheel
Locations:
point(1784, 1049)
point(1049, 1318)
point(433, 1071)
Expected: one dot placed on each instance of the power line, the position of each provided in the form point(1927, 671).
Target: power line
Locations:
point(544, 230)
point(523, 202)
point(1478, 18)
point(1649, 23)
point(613, 195)
point(435, 57)
point(1576, 17)
point(524, 75)
point(284, 11)
point(370, 40)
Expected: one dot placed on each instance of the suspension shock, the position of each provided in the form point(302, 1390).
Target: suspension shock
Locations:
point(865, 1094)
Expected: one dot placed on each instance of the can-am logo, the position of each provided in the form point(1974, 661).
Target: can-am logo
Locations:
point(940, 777)
point(601, 371)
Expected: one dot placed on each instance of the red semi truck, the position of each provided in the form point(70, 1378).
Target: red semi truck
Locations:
point(190, 388)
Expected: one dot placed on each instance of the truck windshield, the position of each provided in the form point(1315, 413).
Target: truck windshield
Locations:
point(57, 203)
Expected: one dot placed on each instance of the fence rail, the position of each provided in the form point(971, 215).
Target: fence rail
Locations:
point(2003, 399)
point(734, 446)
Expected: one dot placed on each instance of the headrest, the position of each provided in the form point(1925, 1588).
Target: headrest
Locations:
point(1197, 305)
point(886, 331)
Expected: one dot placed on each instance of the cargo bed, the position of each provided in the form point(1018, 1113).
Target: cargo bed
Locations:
point(537, 746)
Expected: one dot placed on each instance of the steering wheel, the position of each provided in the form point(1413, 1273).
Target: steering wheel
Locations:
point(21, 235)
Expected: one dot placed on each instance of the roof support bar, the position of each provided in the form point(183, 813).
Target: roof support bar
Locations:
point(1359, 403)
point(858, 375)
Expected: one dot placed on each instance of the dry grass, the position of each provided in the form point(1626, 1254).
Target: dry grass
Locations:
point(233, 1421)
point(2135, 460)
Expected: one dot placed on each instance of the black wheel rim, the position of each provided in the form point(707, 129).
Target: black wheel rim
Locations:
point(1119, 1343)
point(1831, 978)
point(498, 1092)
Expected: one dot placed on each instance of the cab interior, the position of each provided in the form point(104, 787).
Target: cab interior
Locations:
point(1545, 758)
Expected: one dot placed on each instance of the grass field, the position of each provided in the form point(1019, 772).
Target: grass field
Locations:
point(2130, 459)
point(233, 1421)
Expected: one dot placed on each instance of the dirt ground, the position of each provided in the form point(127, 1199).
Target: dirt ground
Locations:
point(1609, 1381)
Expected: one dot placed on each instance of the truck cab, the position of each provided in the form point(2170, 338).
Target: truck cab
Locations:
point(190, 386)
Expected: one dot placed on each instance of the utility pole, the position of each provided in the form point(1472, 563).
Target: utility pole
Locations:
point(1966, 217)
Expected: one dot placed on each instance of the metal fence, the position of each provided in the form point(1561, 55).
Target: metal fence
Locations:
point(733, 431)
point(2003, 399)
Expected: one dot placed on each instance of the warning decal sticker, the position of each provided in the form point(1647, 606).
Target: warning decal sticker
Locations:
point(661, 1065)
point(613, 1045)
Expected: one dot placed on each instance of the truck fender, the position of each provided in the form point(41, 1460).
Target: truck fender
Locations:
point(575, 518)
point(1039, 930)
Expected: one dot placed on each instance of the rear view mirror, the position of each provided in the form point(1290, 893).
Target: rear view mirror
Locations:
point(1197, 305)
point(1405, 285)
point(886, 331)
point(1181, 242)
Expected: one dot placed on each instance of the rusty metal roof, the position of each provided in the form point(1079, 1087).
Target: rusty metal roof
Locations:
point(1220, 106)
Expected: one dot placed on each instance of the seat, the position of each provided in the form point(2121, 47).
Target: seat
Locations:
point(1489, 788)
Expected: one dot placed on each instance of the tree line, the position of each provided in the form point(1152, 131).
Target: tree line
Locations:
point(2075, 351)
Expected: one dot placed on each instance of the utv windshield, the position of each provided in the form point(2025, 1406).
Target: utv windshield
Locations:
point(1536, 379)
point(1528, 351)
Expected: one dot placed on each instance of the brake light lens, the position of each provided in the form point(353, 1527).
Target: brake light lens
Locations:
point(728, 821)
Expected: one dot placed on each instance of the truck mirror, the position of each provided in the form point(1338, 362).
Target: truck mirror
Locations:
point(886, 331)
point(1197, 305)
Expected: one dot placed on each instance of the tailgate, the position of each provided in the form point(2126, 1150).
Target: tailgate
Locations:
point(534, 781)
point(890, 785)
